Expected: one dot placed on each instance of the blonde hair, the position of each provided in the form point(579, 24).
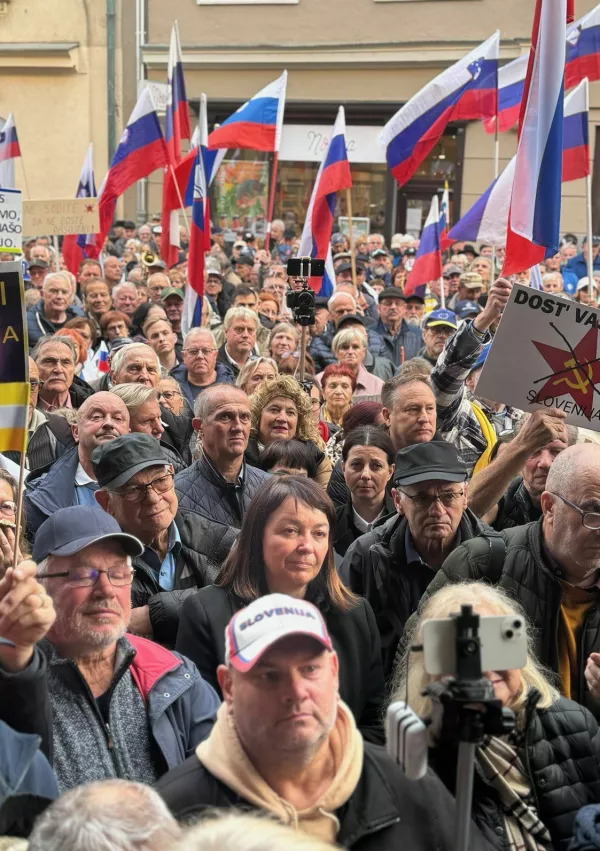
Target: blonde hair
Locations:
point(289, 388)
point(347, 336)
point(250, 367)
point(237, 831)
point(442, 604)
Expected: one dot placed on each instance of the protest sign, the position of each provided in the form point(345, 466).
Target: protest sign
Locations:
point(360, 226)
point(545, 354)
point(71, 215)
point(11, 221)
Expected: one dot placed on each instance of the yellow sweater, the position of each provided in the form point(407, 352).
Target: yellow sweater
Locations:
point(222, 754)
point(575, 604)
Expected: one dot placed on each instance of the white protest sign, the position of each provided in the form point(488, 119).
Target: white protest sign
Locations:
point(11, 221)
point(61, 216)
point(545, 354)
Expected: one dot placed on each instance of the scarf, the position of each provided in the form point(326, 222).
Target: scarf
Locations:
point(502, 768)
point(223, 755)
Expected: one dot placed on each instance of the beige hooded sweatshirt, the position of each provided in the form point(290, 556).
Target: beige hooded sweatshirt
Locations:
point(222, 754)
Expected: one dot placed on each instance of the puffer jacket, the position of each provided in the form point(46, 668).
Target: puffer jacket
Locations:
point(377, 567)
point(516, 508)
point(38, 324)
point(560, 750)
point(526, 575)
point(204, 547)
point(201, 488)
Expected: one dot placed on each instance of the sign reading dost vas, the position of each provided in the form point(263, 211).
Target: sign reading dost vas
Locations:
point(71, 215)
point(11, 221)
point(545, 354)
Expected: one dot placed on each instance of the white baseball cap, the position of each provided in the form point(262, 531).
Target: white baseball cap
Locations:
point(252, 630)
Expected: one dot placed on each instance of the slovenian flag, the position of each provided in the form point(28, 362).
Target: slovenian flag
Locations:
point(141, 151)
point(466, 91)
point(428, 262)
point(9, 141)
point(511, 80)
point(78, 247)
point(534, 217)
point(487, 219)
point(583, 49)
point(333, 176)
point(257, 124)
point(576, 152)
point(194, 292)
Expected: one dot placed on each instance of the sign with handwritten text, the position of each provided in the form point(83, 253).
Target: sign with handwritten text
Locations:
point(71, 215)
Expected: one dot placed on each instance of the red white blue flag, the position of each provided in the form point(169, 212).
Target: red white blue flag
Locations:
point(511, 81)
point(256, 125)
point(333, 176)
point(583, 49)
point(576, 152)
point(78, 247)
point(428, 262)
point(9, 142)
point(445, 219)
point(467, 90)
point(534, 218)
point(141, 151)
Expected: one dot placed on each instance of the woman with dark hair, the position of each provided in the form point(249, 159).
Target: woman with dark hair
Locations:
point(290, 457)
point(285, 547)
point(363, 413)
point(368, 464)
point(147, 310)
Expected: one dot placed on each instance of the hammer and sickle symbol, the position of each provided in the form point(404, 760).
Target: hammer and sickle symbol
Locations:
point(581, 383)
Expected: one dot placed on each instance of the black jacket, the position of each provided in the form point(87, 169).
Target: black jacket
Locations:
point(201, 488)
point(376, 567)
point(560, 751)
point(386, 812)
point(345, 532)
point(201, 638)
point(516, 508)
point(527, 576)
point(204, 546)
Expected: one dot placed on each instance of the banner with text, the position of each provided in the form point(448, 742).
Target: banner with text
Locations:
point(60, 217)
point(11, 221)
point(545, 354)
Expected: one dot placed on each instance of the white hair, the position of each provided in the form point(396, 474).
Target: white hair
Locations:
point(122, 286)
point(240, 313)
point(237, 831)
point(118, 359)
point(51, 276)
point(196, 332)
point(337, 295)
point(133, 395)
point(109, 815)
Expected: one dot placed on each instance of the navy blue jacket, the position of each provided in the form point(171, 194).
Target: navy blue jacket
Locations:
point(179, 373)
point(578, 265)
point(320, 347)
point(38, 324)
point(27, 782)
point(47, 493)
point(409, 339)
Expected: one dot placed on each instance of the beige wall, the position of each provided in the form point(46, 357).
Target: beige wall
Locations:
point(58, 97)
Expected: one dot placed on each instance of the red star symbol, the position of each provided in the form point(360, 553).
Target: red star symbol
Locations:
point(577, 381)
point(89, 208)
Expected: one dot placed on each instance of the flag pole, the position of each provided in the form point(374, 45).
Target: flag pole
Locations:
point(588, 200)
point(56, 253)
point(496, 170)
point(25, 181)
point(180, 199)
point(21, 486)
point(351, 234)
point(271, 201)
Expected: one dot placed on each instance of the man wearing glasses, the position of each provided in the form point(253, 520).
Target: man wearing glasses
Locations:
point(182, 551)
point(200, 368)
point(552, 566)
point(394, 563)
point(106, 703)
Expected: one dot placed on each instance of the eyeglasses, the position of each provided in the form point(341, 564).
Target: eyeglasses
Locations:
point(590, 519)
point(193, 353)
point(169, 395)
point(35, 384)
point(85, 577)
point(424, 501)
point(138, 493)
point(8, 507)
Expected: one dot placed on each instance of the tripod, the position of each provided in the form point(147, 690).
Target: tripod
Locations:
point(465, 709)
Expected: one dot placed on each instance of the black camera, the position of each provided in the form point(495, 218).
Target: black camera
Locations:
point(302, 304)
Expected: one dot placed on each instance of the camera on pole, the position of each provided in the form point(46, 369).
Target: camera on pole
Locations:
point(300, 298)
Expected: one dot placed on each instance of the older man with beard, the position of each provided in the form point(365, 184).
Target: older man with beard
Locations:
point(70, 480)
point(105, 703)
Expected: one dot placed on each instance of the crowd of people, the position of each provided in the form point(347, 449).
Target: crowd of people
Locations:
point(222, 569)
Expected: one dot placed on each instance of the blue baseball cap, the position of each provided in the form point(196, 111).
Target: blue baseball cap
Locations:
point(482, 356)
point(70, 530)
point(441, 317)
point(466, 308)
